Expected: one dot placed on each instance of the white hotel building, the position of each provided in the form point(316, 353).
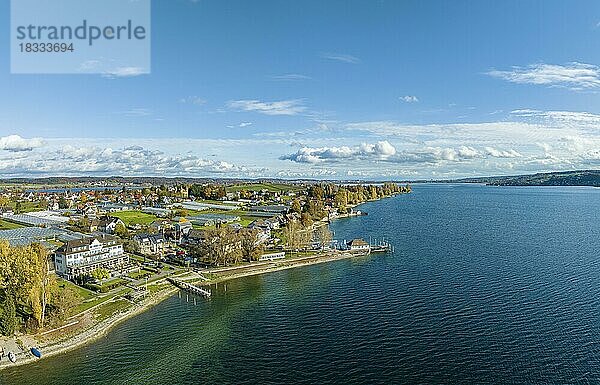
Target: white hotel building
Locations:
point(83, 256)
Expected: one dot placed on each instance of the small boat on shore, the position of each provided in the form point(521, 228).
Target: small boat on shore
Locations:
point(12, 357)
point(36, 352)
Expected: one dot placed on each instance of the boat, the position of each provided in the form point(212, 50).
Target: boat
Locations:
point(12, 357)
point(36, 352)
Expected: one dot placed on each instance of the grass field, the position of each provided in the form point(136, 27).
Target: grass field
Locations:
point(26, 206)
point(110, 308)
point(271, 187)
point(85, 294)
point(5, 225)
point(134, 217)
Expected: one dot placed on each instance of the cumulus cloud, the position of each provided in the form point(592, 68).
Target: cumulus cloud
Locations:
point(132, 160)
point(409, 99)
point(436, 155)
point(385, 151)
point(16, 143)
point(575, 76)
point(283, 107)
point(494, 152)
point(375, 151)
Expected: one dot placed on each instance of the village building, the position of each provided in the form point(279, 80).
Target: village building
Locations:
point(150, 243)
point(83, 256)
point(109, 224)
point(358, 245)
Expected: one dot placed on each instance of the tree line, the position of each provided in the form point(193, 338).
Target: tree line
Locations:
point(224, 246)
point(208, 191)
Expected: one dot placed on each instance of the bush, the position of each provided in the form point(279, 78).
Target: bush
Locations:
point(92, 287)
point(111, 285)
point(8, 317)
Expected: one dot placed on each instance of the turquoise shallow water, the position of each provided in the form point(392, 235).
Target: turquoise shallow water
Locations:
point(486, 285)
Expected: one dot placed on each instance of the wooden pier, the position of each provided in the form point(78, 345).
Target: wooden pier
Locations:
point(189, 287)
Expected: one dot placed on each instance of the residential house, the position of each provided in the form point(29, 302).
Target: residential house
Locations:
point(263, 227)
point(109, 224)
point(195, 237)
point(150, 243)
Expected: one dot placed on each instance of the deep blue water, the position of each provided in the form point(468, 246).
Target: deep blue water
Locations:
point(487, 285)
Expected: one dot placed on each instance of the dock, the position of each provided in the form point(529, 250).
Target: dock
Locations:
point(382, 248)
point(360, 246)
point(188, 287)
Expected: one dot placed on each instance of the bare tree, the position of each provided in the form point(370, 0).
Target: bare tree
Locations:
point(251, 244)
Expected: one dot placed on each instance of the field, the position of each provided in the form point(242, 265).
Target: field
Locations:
point(134, 217)
point(246, 217)
point(26, 206)
point(110, 308)
point(271, 187)
point(85, 294)
point(5, 225)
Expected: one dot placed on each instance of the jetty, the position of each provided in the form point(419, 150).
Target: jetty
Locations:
point(185, 286)
point(360, 246)
point(382, 248)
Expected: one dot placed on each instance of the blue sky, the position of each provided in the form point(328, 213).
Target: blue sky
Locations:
point(323, 89)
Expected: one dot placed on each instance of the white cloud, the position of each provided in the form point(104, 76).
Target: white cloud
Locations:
point(193, 100)
point(245, 124)
point(290, 77)
point(575, 76)
point(491, 151)
point(283, 107)
point(16, 143)
point(409, 99)
point(124, 72)
point(376, 151)
point(341, 57)
point(137, 112)
point(133, 160)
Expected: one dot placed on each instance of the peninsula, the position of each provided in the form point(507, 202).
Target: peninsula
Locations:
point(78, 258)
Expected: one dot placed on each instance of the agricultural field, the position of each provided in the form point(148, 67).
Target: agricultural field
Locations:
point(271, 187)
point(6, 225)
point(26, 206)
point(134, 217)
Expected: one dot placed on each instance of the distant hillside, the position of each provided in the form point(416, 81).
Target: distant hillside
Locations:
point(566, 178)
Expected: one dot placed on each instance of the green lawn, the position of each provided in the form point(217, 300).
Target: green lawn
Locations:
point(6, 225)
point(85, 294)
point(271, 187)
point(110, 308)
point(140, 274)
point(134, 217)
point(26, 206)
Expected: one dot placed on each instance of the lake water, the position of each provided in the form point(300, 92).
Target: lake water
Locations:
point(487, 285)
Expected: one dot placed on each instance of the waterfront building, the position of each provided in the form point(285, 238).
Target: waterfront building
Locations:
point(83, 256)
point(358, 245)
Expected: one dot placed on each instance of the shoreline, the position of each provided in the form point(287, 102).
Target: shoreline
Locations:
point(100, 329)
point(89, 335)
